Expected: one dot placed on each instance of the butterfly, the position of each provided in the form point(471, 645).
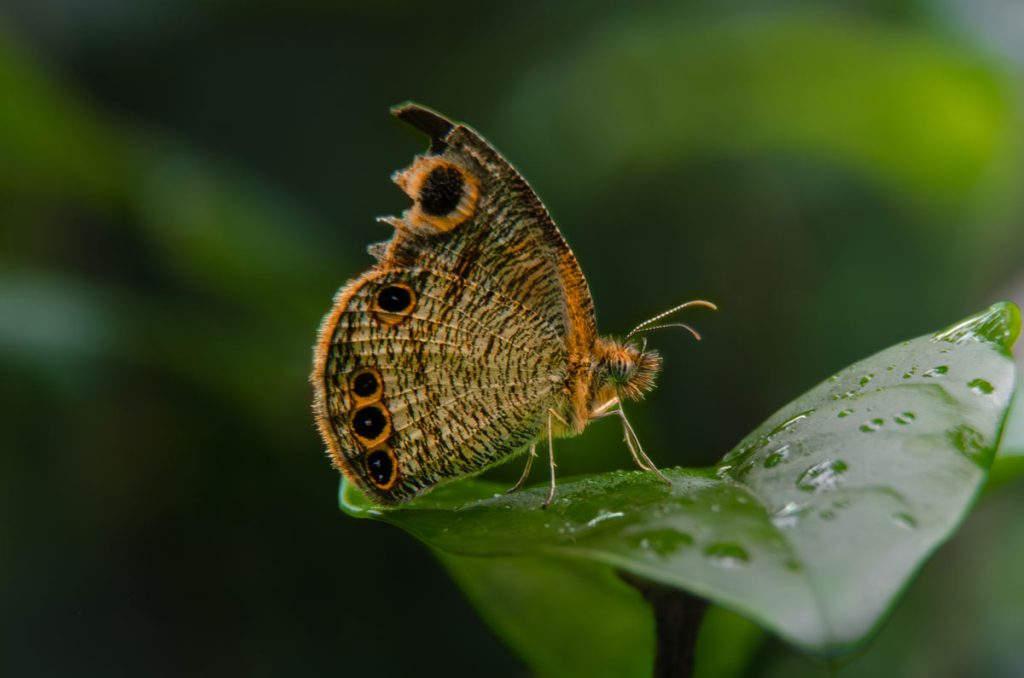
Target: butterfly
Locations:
point(473, 337)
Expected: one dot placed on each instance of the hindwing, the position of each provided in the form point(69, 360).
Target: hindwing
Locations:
point(455, 381)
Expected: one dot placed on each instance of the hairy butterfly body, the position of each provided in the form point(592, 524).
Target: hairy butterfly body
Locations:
point(471, 338)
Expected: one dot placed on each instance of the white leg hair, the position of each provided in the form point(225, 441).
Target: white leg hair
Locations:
point(551, 460)
point(610, 408)
point(614, 407)
point(526, 471)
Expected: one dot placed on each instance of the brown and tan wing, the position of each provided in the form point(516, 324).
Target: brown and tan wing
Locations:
point(475, 217)
point(424, 377)
point(476, 320)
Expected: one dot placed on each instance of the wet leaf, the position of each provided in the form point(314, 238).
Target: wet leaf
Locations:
point(555, 611)
point(811, 526)
point(1009, 463)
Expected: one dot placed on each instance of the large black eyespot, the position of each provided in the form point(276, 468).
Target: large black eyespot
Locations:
point(380, 465)
point(369, 422)
point(441, 191)
point(365, 384)
point(394, 299)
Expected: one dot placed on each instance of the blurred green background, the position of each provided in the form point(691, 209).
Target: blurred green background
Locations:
point(184, 185)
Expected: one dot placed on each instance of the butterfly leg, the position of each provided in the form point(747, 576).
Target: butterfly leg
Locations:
point(614, 408)
point(602, 411)
point(636, 449)
point(526, 471)
point(551, 461)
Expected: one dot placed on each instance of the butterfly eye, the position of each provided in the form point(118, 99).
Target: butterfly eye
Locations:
point(394, 303)
point(441, 191)
point(621, 368)
point(380, 466)
point(371, 423)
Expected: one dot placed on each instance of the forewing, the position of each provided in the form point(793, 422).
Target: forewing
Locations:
point(475, 217)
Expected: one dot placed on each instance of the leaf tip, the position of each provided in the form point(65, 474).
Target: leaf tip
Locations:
point(999, 324)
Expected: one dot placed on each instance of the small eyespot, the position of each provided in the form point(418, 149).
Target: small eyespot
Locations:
point(371, 422)
point(441, 191)
point(366, 383)
point(381, 467)
point(394, 299)
point(393, 303)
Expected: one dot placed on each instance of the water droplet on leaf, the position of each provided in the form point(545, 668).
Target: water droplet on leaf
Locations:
point(727, 555)
point(776, 457)
point(602, 516)
point(791, 421)
point(822, 476)
point(969, 441)
point(789, 515)
point(663, 542)
point(981, 387)
point(872, 426)
point(905, 520)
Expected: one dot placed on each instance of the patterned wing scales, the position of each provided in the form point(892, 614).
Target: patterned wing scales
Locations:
point(446, 357)
point(475, 217)
point(427, 376)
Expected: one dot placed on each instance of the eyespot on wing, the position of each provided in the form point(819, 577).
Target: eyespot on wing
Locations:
point(445, 193)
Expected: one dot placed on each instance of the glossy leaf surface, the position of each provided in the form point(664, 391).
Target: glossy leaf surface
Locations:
point(811, 526)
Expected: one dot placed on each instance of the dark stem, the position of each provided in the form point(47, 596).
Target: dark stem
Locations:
point(677, 618)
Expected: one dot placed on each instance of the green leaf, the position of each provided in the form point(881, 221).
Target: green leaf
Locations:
point(1013, 436)
point(555, 611)
point(726, 644)
point(811, 526)
point(1009, 463)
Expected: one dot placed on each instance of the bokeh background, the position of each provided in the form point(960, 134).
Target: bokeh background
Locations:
point(184, 185)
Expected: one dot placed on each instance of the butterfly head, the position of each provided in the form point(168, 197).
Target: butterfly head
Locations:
point(626, 369)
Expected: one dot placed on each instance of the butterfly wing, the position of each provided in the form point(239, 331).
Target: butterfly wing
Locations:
point(456, 380)
point(446, 356)
point(475, 216)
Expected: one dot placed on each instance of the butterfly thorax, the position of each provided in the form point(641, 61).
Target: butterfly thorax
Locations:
point(620, 371)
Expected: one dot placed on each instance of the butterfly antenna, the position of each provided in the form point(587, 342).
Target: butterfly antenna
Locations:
point(651, 328)
point(650, 324)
